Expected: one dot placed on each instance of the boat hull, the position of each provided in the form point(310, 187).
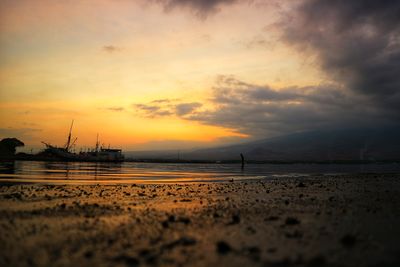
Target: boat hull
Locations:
point(60, 154)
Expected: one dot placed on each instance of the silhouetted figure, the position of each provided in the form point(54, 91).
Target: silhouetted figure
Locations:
point(241, 155)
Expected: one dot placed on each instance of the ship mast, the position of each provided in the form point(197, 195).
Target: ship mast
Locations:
point(97, 143)
point(67, 146)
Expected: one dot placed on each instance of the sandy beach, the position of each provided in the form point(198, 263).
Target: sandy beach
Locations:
point(346, 220)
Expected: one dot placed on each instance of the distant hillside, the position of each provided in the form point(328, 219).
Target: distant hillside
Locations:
point(153, 154)
point(353, 144)
point(348, 144)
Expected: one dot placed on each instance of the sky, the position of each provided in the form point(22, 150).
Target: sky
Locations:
point(175, 74)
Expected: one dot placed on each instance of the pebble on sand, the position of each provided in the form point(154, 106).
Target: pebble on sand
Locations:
point(223, 248)
point(292, 221)
point(348, 240)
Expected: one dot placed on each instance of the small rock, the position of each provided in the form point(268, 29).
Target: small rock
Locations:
point(348, 240)
point(272, 218)
point(165, 224)
point(317, 261)
point(301, 184)
point(250, 230)
point(128, 260)
point(235, 219)
point(292, 221)
point(253, 253)
point(183, 241)
point(223, 248)
point(187, 241)
point(295, 235)
point(88, 254)
point(184, 220)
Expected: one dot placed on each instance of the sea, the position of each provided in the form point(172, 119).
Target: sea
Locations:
point(133, 172)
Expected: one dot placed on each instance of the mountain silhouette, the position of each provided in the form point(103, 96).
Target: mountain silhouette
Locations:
point(323, 145)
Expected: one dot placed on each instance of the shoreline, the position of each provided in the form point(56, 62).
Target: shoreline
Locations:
point(185, 181)
point(191, 161)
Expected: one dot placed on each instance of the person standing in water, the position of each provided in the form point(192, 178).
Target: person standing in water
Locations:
point(241, 155)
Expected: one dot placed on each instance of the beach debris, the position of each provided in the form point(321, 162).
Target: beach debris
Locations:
point(128, 260)
point(301, 184)
point(271, 218)
point(252, 252)
point(250, 230)
point(148, 256)
point(317, 261)
point(223, 248)
point(165, 224)
point(13, 195)
point(183, 241)
point(172, 219)
point(294, 235)
point(235, 219)
point(292, 221)
point(88, 254)
point(348, 240)
point(184, 220)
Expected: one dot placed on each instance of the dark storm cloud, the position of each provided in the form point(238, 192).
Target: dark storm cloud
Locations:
point(357, 43)
point(201, 8)
point(230, 90)
point(261, 111)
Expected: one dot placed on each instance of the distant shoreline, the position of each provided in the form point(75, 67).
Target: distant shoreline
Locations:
point(183, 161)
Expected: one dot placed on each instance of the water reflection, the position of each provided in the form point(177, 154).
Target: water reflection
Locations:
point(78, 170)
point(130, 172)
point(7, 167)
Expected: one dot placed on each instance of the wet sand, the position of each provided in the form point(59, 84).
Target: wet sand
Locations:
point(346, 220)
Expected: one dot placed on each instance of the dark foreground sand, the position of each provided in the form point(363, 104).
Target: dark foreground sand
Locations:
point(309, 221)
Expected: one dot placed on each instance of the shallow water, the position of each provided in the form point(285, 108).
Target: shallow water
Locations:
point(131, 172)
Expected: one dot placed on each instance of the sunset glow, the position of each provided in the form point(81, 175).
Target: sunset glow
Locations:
point(137, 72)
point(93, 63)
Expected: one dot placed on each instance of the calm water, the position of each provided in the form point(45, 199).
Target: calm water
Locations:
point(130, 172)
